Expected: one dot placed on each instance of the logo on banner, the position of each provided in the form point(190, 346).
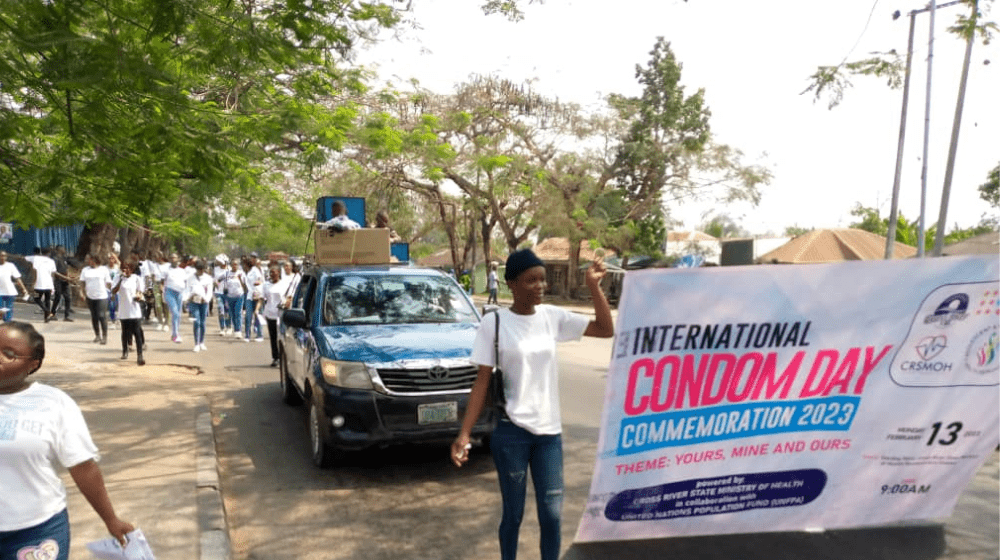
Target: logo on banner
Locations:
point(982, 354)
point(953, 308)
point(966, 352)
point(931, 346)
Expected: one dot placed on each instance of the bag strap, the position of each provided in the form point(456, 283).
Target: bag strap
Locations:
point(496, 344)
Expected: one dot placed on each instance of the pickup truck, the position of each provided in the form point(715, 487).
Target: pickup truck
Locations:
point(380, 355)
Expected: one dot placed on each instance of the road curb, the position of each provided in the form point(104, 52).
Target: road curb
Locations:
point(212, 528)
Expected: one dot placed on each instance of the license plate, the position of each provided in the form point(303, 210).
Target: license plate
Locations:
point(437, 413)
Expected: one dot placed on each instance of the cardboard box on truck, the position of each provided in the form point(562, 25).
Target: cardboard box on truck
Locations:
point(354, 246)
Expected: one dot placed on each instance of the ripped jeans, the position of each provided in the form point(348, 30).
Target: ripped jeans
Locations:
point(517, 451)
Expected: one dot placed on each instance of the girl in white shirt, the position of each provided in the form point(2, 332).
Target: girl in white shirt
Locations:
point(529, 433)
point(97, 281)
point(41, 428)
point(199, 290)
point(130, 294)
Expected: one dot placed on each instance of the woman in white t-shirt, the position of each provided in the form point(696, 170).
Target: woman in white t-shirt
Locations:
point(96, 282)
point(199, 291)
point(10, 282)
point(528, 435)
point(130, 294)
point(41, 428)
point(274, 301)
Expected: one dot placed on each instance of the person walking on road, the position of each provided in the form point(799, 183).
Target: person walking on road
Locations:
point(174, 282)
point(61, 283)
point(253, 279)
point(219, 291)
point(234, 291)
point(97, 281)
point(42, 427)
point(115, 270)
point(528, 435)
point(44, 268)
point(199, 290)
point(10, 287)
point(129, 292)
point(491, 284)
point(274, 302)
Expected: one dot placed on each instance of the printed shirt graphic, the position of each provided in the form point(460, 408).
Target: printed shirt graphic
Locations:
point(40, 427)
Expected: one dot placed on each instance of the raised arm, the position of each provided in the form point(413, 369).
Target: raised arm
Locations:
point(602, 326)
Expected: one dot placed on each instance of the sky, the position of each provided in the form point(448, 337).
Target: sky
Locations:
point(753, 60)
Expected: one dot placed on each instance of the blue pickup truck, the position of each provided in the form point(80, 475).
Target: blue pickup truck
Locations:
point(380, 354)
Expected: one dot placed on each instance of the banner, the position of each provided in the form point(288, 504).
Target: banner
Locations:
point(795, 397)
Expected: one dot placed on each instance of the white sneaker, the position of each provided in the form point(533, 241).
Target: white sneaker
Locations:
point(197, 347)
point(246, 340)
point(259, 339)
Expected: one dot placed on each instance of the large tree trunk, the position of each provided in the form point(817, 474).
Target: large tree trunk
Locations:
point(96, 239)
point(572, 272)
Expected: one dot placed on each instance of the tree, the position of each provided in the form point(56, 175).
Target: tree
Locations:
point(834, 81)
point(126, 111)
point(723, 226)
point(796, 230)
point(990, 190)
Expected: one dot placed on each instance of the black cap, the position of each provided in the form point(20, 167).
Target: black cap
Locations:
point(519, 261)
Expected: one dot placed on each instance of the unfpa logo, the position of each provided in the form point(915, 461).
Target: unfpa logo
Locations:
point(953, 308)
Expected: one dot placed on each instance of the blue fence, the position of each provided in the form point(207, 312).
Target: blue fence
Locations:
point(24, 241)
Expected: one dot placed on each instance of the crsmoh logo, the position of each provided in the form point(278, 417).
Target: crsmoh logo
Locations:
point(953, 308)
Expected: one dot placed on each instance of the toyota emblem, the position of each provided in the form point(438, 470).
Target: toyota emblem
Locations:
point(437, 373)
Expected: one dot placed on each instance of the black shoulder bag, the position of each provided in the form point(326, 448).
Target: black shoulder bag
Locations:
point(495, 396)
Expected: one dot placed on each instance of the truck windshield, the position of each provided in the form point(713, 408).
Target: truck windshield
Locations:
point(394, 299)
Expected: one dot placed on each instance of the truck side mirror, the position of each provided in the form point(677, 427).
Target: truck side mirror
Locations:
point(295, 318)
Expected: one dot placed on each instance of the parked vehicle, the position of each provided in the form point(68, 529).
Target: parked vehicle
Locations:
point(380, 354)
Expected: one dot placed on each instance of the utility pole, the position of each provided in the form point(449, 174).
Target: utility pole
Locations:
point(894, 212)
point(927, 131)
point(955, 126)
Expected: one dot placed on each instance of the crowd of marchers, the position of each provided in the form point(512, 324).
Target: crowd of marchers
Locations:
point(156, 291)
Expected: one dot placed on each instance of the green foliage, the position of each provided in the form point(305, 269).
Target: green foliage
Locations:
point(162, 112)
point(796, 230)
point(990, 190)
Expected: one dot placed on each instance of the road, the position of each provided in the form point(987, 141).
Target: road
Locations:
point(411, 503)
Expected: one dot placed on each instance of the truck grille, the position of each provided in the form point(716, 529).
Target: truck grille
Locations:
point(429, 380)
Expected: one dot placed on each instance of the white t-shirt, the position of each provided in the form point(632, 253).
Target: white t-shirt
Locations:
point(8, 273)
point(255, 282)
point(44, 267)
point(200, 286)
point(128, 308)
point(274, 295)
point(529, 363)
point(231, 283)
point(219, 274)
point(96, 281)
point(40, 427)
point(176, 278)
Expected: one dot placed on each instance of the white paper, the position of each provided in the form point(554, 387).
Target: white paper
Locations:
point(137, 548)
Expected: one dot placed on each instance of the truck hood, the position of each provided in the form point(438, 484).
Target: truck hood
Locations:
point(391, 343)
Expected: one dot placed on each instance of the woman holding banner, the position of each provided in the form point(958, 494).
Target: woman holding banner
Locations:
point(528, 435)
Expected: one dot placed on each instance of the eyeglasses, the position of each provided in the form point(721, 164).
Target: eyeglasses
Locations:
point(9, 355)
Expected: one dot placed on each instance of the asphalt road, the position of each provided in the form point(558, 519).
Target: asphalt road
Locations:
point(411, 503)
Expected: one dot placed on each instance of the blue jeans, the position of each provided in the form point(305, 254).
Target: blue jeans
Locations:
point(222, 310)
point(49, 539)
point(200, 313)
point(234, 308)
point(8, 303)
point(173, 298)
point(251, 319)
point(515, 451)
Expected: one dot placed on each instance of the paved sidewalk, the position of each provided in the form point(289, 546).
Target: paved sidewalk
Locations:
point(152, 425)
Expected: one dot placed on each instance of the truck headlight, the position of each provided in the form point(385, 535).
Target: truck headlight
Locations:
point(351, 375)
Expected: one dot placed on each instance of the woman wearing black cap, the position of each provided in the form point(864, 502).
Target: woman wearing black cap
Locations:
point(528, 437)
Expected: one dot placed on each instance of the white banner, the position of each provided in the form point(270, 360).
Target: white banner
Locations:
point(791, 397)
